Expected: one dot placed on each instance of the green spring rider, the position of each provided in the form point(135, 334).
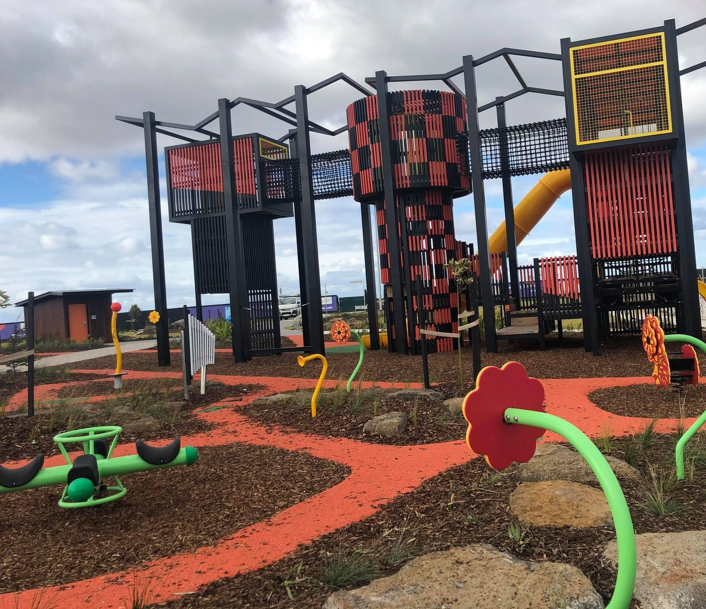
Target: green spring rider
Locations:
point(83, 477)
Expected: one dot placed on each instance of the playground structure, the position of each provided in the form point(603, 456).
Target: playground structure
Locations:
point(83, 476)
point(621, 149)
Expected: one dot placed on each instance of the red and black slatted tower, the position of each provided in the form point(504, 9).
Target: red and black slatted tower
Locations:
point(425, 129)
point(632, 207)
point(196, 197)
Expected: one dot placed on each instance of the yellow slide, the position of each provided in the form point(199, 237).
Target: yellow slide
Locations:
point(532, 208)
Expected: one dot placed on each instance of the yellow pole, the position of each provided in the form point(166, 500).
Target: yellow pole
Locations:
point(304, 360)
point(115, 307)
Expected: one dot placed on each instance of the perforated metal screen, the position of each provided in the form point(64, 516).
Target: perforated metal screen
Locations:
point(620, 89)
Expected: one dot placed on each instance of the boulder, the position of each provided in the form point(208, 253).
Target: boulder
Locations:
point(390, 424)
point(560, 503)
point(474, 577)
point(174, 406)
point(556, 462)
point(412, 394)
point(671, 569)
point(141, 425)
point(455, 405)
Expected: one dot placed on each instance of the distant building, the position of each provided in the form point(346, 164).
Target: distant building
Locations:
point(73, 314)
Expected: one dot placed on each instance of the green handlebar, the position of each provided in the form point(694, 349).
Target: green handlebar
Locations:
point(627, 557)
point(360, 361)
point(685, 338)
point(106, 467)
point(701, 421)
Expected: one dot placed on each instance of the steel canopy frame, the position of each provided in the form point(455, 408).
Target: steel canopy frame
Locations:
point(307, 247)
point(472, 109)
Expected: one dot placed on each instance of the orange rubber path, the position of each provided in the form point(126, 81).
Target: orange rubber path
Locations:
point(379, 473)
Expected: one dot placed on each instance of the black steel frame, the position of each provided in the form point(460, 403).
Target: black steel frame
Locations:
point(305, 217)
point(305, 212)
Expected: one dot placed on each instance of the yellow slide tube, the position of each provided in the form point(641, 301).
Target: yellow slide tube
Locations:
point(531, 209)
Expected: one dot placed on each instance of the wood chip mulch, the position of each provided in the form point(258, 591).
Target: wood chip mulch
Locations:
point(228, 488)
point(619, 357)
point(650, 401)
point(465, 505)
point(428, 420)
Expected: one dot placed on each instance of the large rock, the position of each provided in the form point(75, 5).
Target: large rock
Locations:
point(141, 425)
point(415, 394)
point(455, 405)
point(474, 577)
point(390, 424)
point(671, 569)
point(560, 503)
point(556, 462)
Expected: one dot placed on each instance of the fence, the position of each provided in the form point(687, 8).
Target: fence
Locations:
point(198, 348)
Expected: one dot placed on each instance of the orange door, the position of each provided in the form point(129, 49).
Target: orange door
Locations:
point(78, 322)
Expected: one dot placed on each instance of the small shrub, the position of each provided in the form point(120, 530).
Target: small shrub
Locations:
point(645, 437)
point(403, 546)
point(345, 570)
point(516, 534)
point(293, 578)
point(658, 501)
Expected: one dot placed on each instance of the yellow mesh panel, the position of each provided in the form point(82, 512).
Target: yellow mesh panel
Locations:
point(273, 150)
point(620, 89)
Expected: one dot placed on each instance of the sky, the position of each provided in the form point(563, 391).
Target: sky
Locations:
point(73, 201)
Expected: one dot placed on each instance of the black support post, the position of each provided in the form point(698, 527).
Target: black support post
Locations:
point(29, 337)
point(691, 319)
point(157, 241)
point(197, 281)
point(293, 153)
point(422, 326)
point(393, 243)
point(508, 204)
point(240, 315)
point(310, 251)
point(371, 300)
point(583, 250)
point(486, 286)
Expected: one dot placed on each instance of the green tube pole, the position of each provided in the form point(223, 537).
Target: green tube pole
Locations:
point(360, 361)
point(106, 467)
point(685, 338)
point(701, 421)
point(688, 434)
point(627, 556)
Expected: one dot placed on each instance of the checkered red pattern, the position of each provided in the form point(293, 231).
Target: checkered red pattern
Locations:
point(429, 172)
point(424, 126)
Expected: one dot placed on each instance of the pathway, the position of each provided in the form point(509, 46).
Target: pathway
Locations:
point(81, 356)
point(379, 473)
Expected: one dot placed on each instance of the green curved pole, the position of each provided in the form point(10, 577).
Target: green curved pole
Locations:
point(701, 421)
point(627, 558)
point(360, 361)
point(685, 338)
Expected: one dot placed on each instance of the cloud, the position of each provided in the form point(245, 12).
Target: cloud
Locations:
point(69, 68)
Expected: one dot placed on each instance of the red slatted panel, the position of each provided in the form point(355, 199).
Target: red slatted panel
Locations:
point(560, 276)
point(630, 203)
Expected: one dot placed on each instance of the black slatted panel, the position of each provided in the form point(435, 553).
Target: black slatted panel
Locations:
point(211, 261)
point(261, 276)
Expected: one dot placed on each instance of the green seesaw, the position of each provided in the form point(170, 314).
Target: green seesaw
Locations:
point(83, 477)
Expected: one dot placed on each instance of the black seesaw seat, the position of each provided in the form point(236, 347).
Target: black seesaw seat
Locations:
point(84, 466)
point(19, 476)
point(158, 455)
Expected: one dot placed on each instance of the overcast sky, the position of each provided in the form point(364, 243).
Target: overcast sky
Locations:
point(73, 207)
